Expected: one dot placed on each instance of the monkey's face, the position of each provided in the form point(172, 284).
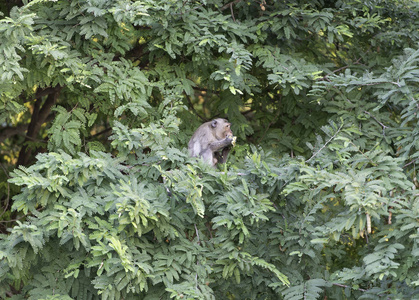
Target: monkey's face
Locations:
point(221, 129)
point(227, 130)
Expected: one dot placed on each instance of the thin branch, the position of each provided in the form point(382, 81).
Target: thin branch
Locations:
point(6, 206)
point(346, 286)
point(324, 146)
point(197, 234)
point(20, 129)
point(413, 161)
point(39, 116)
point(335, 71)
point(106, 130)
point(230, 4)
point(42, 93)
point(232, 12)
point(340, 69)
point(382, 125)
point(8, 132)
point(234, 173)
point(222, 173)
point(193, 109)
point(270, 124)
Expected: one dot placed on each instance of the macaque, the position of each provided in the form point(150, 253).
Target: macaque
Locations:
point(212, 141)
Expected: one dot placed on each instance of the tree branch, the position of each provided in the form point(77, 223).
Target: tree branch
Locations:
point(232, 12)
point(229, 5)
point(324, 146)
point(7, 132)
point(39, 117)
point(270, 124)
point(42, 93)
point(193, 109)
point(7, 200)
point(346, 286)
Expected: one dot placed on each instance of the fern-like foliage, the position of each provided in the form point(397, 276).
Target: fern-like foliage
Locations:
point(100, 200)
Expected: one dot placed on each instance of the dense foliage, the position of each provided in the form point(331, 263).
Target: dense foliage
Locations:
point(318, 199)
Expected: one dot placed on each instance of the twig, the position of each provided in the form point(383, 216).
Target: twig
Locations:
point(346, 286)
point(193, 109)
point(8, 191)
point(340, 69)
point(382, 125)
point(197, 234)
point(230, 4)
point(269, 125)
point(44, 92)
point(232, 12)
point(413, 161)
point(238, 174)
point(38, 118)
point(335, 71)
point(13, 220)
point(7, 132)
point(99, 133)
point(325, 144)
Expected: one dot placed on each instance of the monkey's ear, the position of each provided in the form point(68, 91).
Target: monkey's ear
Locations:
point(214, 123)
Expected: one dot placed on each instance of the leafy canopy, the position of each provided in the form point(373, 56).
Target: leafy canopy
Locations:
point(318, 199)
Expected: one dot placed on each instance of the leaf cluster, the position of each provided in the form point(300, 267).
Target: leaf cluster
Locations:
point(317, 200)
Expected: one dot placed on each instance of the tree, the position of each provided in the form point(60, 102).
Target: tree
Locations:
point(100, 199)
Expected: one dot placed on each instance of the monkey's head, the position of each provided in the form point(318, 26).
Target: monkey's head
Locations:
point(221, 128)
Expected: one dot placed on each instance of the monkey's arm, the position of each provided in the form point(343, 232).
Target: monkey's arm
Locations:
point(217, 145)
point(222, 155)
point(210, 154)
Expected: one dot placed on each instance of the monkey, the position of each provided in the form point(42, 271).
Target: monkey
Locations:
point(212, 141)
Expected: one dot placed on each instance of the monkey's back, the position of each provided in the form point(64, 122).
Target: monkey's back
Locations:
point(195, 145)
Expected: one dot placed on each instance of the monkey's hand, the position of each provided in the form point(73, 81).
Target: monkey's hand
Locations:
point(233, 139)
point(233, 142)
